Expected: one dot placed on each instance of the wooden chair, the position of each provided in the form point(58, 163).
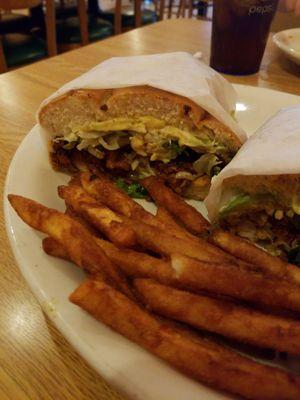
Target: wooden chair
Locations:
point(50, 46)
point(81, 29)
point(83, 22)
point(126, 17)
point(186, 8)
point(11, 22)
point(159, 6)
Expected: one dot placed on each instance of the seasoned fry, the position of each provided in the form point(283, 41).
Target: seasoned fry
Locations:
point(156, 240)
point(219, 316)
point(121, 232)
point(77, 241)
point(133, 263)
point(126, 232)
point(53, 248)
point(98, 215)
point(171, 225)
point(199, 358)
point(194, 275)
point(243, 249)
point(104, 190)
point(69, 211)
point(235, 282)
point(166, 218)
point(174, 229)
point(168, 199)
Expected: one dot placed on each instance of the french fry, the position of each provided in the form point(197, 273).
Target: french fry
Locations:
point(163, 220)
point(166, 218)
point(197, 276)
point(77, 241)
point(268, 264)
point(171, 225)
point(125, 232)
point(194, 275)
point(199, 358)
point(156, 240)
point(69, 211)
point(133, 263)
point(165, 197)
point(174, 229)
point(53, 248)
point(235, 282)
point(98, 215)
point(219, 316)
point(104, 190)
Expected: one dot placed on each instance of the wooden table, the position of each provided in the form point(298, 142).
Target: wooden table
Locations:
point(36, 362)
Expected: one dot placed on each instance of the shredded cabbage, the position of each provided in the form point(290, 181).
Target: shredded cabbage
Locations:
point(147, 136)
point(236, 202)
point(94, 140)
point(206, 163)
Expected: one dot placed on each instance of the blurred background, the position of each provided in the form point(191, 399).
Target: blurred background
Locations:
point(34, 29)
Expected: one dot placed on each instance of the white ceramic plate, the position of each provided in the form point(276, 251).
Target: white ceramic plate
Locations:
point(289, 42)
point(132, 370)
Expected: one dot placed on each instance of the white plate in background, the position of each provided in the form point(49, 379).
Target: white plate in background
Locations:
point(288, 41)
point(132, 370)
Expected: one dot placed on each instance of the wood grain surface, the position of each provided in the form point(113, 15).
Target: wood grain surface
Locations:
point(36, 362)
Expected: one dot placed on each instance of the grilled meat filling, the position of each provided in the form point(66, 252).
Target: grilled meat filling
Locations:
point(181, 173)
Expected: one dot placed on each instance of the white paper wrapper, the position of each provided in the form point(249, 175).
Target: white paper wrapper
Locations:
point(274, 149)
point(178, 73)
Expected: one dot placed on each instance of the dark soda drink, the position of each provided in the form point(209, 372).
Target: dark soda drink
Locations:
point(239, 34)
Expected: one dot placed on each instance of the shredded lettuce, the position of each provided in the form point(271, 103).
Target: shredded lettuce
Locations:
point(206, 163)
point(144, 169)
point(147, 136)
point(235, 203)
point(175, 148)
point(94, 142)
point(135, 189)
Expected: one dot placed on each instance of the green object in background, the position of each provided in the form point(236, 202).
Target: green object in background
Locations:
point(68, 29)
point(23, 49)
point(134, 189)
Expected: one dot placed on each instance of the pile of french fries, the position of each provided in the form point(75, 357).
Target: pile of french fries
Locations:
point(162, 280)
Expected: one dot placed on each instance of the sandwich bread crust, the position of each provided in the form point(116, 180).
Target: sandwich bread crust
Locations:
point(78, 107)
